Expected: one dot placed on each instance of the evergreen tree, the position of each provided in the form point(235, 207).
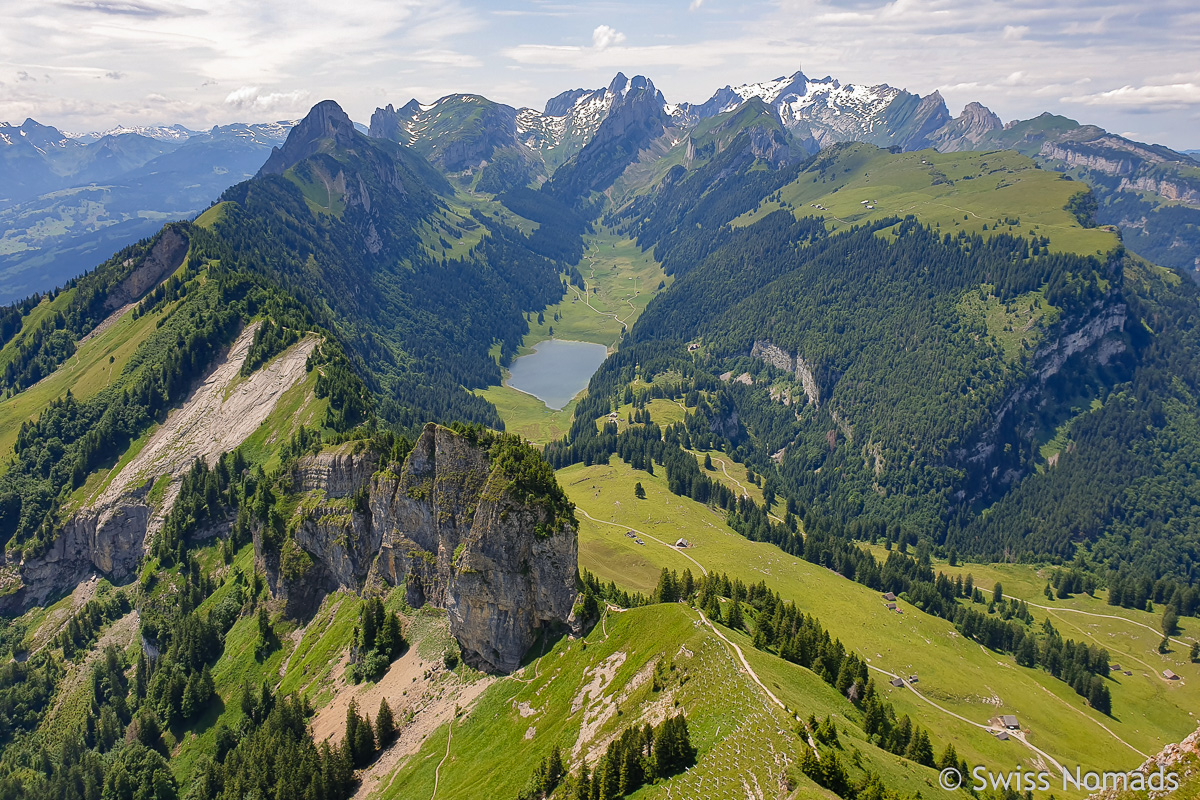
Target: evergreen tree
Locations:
point(639, 491)
point(734, 616)
point(385, 724)
point(1170, 621)
point(667, 590)
point(1099, 697)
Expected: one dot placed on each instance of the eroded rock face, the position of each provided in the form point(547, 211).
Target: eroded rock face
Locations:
point(111, 534)
point(164, 258)
point(449, 526)
point(779, 358)
point(338, 473)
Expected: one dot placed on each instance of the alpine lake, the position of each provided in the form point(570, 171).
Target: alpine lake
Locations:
point(556, 370)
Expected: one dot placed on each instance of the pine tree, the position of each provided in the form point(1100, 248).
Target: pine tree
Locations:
point(734, 618)
point(364, 743)
point(555, 771)
point(385, 724)
point(583, 784)
point(1170, 620)
point(667, 590)
point(1099, 697)
point(639, 491)
point(1195, 655)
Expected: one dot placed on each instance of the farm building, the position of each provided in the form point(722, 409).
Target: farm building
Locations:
point(898, 683)
point(889, 596)
point(1171, 676)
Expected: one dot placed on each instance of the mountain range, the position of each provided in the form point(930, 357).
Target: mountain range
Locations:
point(889, 469)
point(69, 196)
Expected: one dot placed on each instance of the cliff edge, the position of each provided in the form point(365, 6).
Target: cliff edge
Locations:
point(474, 523)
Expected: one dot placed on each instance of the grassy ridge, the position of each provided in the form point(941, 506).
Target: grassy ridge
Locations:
point(96, 363)
point(600, 685)
point(953, 191)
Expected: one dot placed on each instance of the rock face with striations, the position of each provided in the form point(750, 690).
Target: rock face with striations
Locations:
point(460, 524)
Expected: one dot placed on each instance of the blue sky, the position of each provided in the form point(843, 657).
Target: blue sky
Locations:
point(1131, 67)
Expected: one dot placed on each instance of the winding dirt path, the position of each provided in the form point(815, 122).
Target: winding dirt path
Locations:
point(648, 536)
point(437, 772)
point(746, 668)
point(1018, 735)
point(742, 486)
point(1101, 616)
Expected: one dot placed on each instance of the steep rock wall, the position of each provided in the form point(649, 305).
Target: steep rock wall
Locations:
point(449, 526)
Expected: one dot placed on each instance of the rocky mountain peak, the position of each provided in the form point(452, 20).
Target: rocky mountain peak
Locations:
point(562, 103)
point(325, 121)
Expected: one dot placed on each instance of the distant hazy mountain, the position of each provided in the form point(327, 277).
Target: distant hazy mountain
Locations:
point(71, 200)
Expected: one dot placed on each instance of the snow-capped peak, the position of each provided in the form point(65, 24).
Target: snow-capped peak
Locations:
point(163, 133)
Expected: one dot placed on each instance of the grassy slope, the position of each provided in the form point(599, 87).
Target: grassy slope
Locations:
point(609, 267)
point(1130, 636)
point(959, 675)
point(980, 189)
point(743, 739)
point(84, 374)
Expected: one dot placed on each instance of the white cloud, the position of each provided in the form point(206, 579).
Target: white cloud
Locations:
point(1169, 97)
point(251, 97)
point(695, 5)
point(604, 37)
point(1014, 33)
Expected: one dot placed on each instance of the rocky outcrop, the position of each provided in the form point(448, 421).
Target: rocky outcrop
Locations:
point(1175, 189)
point(337, 473)
point(165, 256)
point(450, 526)
point(110, 534)
point(325, 121)
point(1182, 759)
point(1098, 336)
point(781, 359)
point(1051, 357)
point(108, 540)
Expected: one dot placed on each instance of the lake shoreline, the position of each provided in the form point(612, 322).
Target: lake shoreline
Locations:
point(556, 371)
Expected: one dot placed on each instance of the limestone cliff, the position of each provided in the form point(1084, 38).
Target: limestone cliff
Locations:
point(453, 524)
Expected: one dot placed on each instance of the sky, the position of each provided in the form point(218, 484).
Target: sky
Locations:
point(1130, 67)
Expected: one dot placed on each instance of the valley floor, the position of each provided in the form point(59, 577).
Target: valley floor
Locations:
point(619, 281)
